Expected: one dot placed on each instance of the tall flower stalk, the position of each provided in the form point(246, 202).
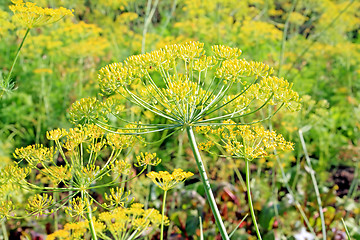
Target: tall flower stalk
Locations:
point(189, 89)
point(248, 143)
point(167, 181)
point(28, 15)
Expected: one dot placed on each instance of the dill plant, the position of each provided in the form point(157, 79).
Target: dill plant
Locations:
point(69, 185)
point(190, 89)
point(28, 15)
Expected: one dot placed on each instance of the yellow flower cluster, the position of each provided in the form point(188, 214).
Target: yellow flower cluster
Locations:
point(277, 91)
point(117, 197)
point(6, 209)
point(250, 142)
point(225, 53)
point(12, 174)
point(81, 167)
point(31, 16)
point(68, 39)
point(78, 208)
point(262, 32)
point(75, 136)
point(145, 159)
point(235, 69)
point(35, 154)
point(85, 110)
point(71, 231)
point(39, 204)
point(123, 138)
point(127, 220)
point(167, 181)
point(178, 82)
point(119, 167)
point(5, 24)
point(55, 174)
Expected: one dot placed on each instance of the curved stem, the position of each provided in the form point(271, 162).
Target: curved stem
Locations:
point(290, 191)
point(162, 216)
point(149, 15)
point(206, 184)
point(250, 201)
point(314, 182)
point(7, 81)
point(346, 229)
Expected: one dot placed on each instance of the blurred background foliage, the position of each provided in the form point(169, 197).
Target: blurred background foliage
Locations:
point(315, 45)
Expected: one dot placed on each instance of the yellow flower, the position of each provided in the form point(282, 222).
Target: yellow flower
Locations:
point(250, 142)
point(6, 208)
point(40, 204)
point(32, 16)
point(117, 197)
point(34, 154)
point(147, 159)
point(166, 181)
point(133, 220)
point(56, 134)
point(5, 24)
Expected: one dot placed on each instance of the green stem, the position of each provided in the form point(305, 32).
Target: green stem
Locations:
point(16, 56)
point(249, 199)
point(162, 216)
point(354, 183)
point(3, 227)
point(283, 41)
point(206, 184)
point(346, 229)
point(314, 182)
point(148, 17)
point(89, 217)
point(56, 217)
point(296, 202)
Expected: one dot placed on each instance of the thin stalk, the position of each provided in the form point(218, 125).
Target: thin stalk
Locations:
point(173, 8)
point(17, 55)
point(346, 229)
point(249, 199)
point(56, 217)
point(296, 202)
point(4, 230)
point(242, 220)
point(206, 184)
point(285, 32)
point(354, 184)
point(201, 229)
point(313, 179)
point(148, 195)
point(91, 223)
point(238, 174)
point(162, 216)
point(149, 15)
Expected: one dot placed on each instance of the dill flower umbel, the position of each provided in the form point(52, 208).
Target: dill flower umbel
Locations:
point(246, 141)
point(193, 85)
point(189, 87)
point(31, 16)
point(121, 223)
point(167, 181)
